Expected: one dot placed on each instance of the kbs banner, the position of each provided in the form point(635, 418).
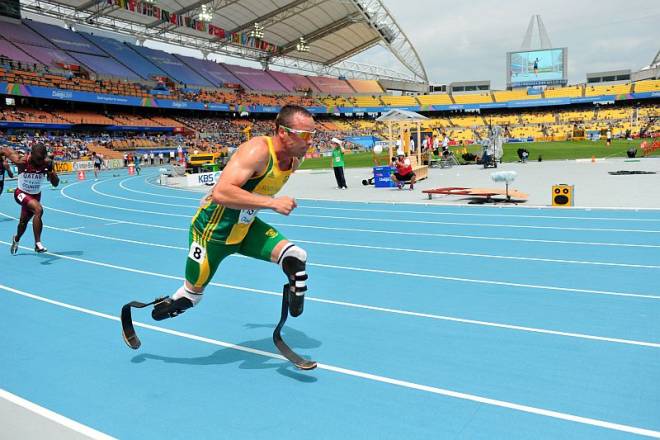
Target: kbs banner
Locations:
point(208, 179)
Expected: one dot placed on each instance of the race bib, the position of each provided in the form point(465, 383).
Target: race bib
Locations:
point(197, 252)
point(247, 216)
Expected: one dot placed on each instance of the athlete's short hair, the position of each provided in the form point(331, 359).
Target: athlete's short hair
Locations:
point(287, 113)
point(39, 151)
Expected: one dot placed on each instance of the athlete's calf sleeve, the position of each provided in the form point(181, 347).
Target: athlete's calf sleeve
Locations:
point(180, 301)
point(293, 262)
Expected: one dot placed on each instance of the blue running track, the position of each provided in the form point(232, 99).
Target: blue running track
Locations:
point(428, 322)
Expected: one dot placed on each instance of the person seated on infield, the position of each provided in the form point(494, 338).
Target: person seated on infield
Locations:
point(404, 172)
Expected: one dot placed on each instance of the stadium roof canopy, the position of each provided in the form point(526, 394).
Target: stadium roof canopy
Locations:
point(334, 30)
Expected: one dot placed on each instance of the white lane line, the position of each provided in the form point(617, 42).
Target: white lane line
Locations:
point(403, 211)
point(363, 375)
point(150, 202)
point(448, 278)
point(489, 282)
point(378, 231)
point(120, 208)
point(359, 306)
point(391, 220)
point(495, 207)
point(410, 250)
point(467, 254)
point(147, 225)
point(489, 215)
point(470, 237)
point(51, 415)
point(121, 185)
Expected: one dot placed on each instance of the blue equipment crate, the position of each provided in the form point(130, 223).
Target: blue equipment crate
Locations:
point(382, 177)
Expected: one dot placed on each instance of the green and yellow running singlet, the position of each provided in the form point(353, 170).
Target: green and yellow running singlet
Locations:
point(217, 223)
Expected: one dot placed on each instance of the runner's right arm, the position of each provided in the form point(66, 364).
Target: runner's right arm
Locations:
point(11, 154)
point(250, 160)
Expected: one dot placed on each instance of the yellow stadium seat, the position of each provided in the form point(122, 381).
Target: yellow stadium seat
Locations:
point(436, 99)
point(647, 86)
point(513, 95)
point(478, 98)
point(618, 89)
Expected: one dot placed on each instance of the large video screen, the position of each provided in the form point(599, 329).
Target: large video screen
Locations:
point(10, 8)
point(546, 66)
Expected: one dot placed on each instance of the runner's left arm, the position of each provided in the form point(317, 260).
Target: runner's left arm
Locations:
point(53, 178)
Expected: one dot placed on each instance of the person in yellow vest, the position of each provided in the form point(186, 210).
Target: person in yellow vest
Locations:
point(227, 221)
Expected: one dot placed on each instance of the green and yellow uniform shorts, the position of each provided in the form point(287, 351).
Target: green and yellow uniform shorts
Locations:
point(205, 256)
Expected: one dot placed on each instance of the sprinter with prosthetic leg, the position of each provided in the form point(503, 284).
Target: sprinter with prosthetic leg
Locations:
point(227, 223)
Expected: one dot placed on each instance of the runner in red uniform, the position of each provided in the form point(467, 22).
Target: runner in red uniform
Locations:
point(32, 170)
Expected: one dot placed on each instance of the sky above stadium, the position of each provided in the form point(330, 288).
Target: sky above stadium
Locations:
point(468, 40)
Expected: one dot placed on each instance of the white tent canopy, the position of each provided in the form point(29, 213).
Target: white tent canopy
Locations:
point(398, 115)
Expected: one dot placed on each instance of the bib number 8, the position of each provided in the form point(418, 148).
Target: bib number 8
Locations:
point(197, 252)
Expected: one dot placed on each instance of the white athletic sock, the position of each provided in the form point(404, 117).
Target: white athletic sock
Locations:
point(195, 298)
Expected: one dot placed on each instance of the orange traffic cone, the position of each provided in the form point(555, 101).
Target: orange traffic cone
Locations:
point(593, 159)
point(81, 175)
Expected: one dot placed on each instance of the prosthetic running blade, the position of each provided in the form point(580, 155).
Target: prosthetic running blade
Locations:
point(293, 357)
point(127, 328)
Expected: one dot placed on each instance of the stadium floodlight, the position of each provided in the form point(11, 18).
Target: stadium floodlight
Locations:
point(206, 15)
point(257, 32)
point(302, 45)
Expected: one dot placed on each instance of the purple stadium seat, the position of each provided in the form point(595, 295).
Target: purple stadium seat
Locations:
point(331, 86)
point(105, 66)
point(255, 79)
point(284, 79)
point(174, 68)
point(215, 72)
point(48, 56)
point(124, 54)
point(20, 33)
point(12, 52)
point(64, 38)
point(303, 83)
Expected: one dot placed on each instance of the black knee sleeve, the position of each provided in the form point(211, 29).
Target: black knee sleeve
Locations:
point(169, 308)
point(294, 269)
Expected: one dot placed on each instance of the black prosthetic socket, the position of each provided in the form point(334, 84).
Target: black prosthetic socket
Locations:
point(295, 272)
point(169, 308)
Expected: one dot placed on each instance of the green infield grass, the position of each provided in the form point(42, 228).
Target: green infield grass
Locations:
point(546, 150)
